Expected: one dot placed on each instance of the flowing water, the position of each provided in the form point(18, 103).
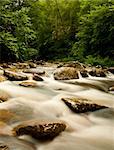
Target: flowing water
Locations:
point(92, 131)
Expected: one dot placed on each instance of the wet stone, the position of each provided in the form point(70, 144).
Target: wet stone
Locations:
point(84, 73)
point(28, 84)
point(13, 76)
point(12, 143)
point(66, 73)
point(37, 77)
point(97, 73)
point(79, 105)
point(2, 78)
point(34, 71)
point(4, 96)
point(39, 130)
point(4, 147)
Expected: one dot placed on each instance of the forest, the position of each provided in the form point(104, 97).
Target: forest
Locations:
point(61, 30)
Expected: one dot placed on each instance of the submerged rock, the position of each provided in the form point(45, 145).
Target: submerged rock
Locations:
point(4, 147)
point(111, 88)
point(39, 130)
point(4, 96)
point(66, 73)
point(2, 78)
point(37, 77)
point(13, 76)
point(28, 83)
point(12, 143)
point(79, 105)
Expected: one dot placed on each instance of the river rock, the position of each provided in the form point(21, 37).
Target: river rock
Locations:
point(32, 65)
point(37, 77)
point(4, 147)
point(2, 78)
point(12, 143)
point(34, 71)
point(97, 73)
point(84, 73)
point(4, 96)
point(66, 73)
point(13, 76)
point(28, 83)
point(39, 130)
point(111, 69)
point(111, 88)
point(74, 64)
point(22, 65)
point(79, 105)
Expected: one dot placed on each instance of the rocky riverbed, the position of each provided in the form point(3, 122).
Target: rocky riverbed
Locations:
point(51, 106)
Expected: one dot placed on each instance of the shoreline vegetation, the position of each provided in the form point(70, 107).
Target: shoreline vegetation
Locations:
point(57, 30)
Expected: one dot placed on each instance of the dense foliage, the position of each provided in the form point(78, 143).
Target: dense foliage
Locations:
point(57, 29)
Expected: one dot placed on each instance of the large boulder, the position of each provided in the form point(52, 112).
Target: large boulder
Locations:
point(66, 73)
point(13, 76)
point(80, 105)
point(39, 130)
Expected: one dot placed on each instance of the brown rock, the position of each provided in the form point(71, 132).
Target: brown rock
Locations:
point(97, 73)
point(111, 88)
point(111, 69)
point(4, 96)
point(2, 78)
point(39, 130)
point(80, 105)
point(84, 73)
point(28, 83)
point(37, 77)
point(4, 147)
point(34, 71)
point(66, 73)
point(22, 65)
point(74, 64)
point(13, 76)
point(6, 115)
point(12, 143)
point(32, 65)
